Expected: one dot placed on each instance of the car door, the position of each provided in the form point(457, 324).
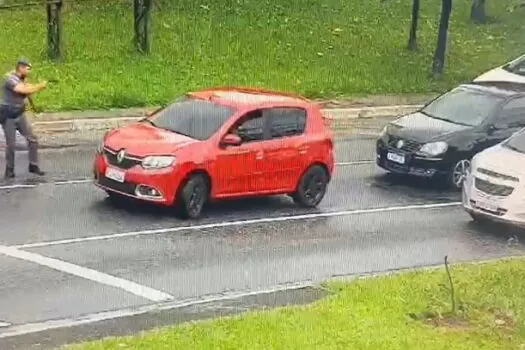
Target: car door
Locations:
point(509, 120)
point(238, 170)
point(286, 151)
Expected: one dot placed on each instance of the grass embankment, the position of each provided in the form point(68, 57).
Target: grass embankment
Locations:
point(317, 48)
point(371, 314)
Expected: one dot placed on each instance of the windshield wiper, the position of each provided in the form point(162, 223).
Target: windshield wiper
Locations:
point(513, 148)
point(445, 119)
point(146, 120)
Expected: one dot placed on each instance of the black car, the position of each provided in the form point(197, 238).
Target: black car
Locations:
point(438, 140)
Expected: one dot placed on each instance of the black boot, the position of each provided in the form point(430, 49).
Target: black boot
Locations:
point(36, 170)
point(9, 173)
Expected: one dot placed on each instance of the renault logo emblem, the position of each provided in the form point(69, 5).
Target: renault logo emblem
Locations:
point(400, 144)
point(120, 156)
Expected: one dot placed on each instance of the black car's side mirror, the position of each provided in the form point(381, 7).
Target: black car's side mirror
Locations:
point(491, 128)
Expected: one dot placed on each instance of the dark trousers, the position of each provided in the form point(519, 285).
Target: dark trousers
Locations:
point(10, 127)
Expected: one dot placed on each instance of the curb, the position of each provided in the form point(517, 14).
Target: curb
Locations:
point(336, 114)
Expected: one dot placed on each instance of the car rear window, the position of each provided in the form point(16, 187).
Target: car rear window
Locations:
point(464, 106)
point(194, 118)
point(516, 142)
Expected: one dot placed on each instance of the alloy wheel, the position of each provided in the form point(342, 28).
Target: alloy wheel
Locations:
point(459, 173)
point(314, 188)
point(196, 199)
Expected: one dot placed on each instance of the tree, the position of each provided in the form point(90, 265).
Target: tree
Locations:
point(477, 11)
point(441, 47)
point(412, 40)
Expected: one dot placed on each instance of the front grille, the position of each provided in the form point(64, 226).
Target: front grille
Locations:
point(497, 175)
point(492, 189)
point(117, 186)
point(408, 146)
point(126, 163)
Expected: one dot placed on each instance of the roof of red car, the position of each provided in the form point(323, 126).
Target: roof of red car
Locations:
point(248, 96)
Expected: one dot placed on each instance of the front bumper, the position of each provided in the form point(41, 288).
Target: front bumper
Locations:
point(408, 163)
point(158, 186)
point(486, 198)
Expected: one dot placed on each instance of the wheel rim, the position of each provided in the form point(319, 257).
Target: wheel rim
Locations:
point(460, 172)
point(314, 188)
point(196, 199)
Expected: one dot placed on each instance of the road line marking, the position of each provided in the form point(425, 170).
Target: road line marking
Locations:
point(135, 311)
point(235, 223)
point(89, 180)
point(12, 187)
point(355, 162)
point(38, 327)
point(86, 273)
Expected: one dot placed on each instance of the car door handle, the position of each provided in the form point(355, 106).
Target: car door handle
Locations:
point(259, 155)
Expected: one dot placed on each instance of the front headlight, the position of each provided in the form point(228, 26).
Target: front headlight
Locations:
point(434, 148)
point(157, 162)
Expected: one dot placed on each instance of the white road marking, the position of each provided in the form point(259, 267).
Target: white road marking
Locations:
point(88, 180)
point(235, 223)
point(134, 311)
point(89, 274)
point(30, 328)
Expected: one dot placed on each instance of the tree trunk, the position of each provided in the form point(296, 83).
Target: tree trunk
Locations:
point(477, 11)
point(412, 40)
point(441, 47)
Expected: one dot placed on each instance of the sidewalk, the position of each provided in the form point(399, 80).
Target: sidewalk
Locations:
point(70, 129)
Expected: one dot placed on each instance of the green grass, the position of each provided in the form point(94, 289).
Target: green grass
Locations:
point(320, 48)
point(370, 314)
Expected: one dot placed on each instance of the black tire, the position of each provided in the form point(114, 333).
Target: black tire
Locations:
point(311, 188)
point(192, 197)
point(456, 176)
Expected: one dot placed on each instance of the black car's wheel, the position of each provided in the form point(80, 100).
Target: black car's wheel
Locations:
point(192, 197)
point(458, 174)
point(311, 187)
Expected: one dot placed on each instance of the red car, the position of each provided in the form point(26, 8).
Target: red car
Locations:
point(220, 143)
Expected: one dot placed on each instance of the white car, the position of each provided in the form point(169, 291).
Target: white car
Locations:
point(494, 188)
point(513, 71)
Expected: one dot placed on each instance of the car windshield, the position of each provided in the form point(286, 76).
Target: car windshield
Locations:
point(516, 67)
point(463, 106)
point(191, 117)
point(516, 142)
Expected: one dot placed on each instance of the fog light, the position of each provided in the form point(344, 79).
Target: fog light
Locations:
point(144, 191)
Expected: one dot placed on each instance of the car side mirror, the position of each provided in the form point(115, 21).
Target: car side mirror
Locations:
point(491, 128)
point(231, 140)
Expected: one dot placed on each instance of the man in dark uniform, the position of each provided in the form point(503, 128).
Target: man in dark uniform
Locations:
point(12, 117)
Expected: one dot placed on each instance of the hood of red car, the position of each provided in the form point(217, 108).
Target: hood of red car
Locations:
point(141, 139)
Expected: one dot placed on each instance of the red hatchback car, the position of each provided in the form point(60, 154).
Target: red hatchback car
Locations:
point(220, 143)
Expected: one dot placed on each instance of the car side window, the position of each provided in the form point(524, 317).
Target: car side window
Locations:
point(512, 114)
point(252, 127)
point(285, 122)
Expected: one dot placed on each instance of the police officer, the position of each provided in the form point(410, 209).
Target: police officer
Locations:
point(12, 117)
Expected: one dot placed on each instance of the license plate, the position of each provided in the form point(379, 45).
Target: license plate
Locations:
point(397, 158)
point(115, 174)
point(487, 206)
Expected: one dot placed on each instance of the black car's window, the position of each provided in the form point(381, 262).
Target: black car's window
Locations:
point(516, 142)
point(286, 121)
point(517, 67)
point(252, 127)
point(463, 106)
point(194, 118)
point(512, 114)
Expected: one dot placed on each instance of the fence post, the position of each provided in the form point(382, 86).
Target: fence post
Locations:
point(142, 24)
point(54, 29)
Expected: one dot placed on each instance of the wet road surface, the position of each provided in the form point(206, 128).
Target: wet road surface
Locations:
point(65, 251)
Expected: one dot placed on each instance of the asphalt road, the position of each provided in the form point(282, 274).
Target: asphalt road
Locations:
point(66, 252)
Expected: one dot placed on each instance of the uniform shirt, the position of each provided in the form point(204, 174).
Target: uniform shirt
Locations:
point(10, 97)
